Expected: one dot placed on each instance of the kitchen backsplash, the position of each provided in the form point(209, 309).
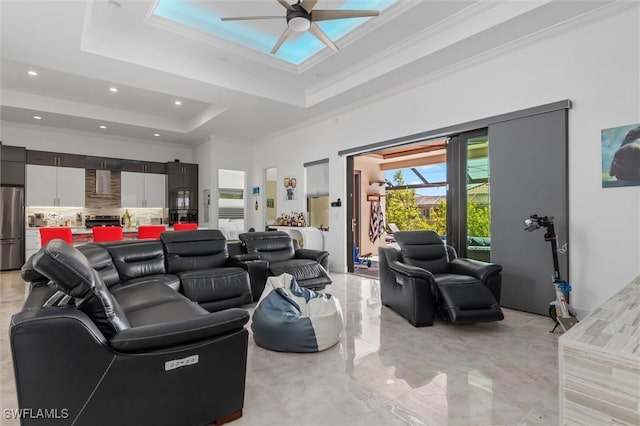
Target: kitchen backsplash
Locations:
point(110, 199)
point(58, 216)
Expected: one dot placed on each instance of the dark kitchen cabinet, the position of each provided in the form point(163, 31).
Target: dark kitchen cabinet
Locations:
point(13, 153)
point(102, 163)
point(143, 167)
point(182, 186)
point(46, 158)
point(12, 167)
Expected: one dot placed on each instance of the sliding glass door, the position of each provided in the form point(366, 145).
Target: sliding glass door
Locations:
point(469, 215)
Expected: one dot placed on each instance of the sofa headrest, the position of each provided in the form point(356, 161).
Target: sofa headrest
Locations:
point(137, 258)
point(100, 260)
point(66, 266)
point(188, 250)
point(29, 274)
point(192, 236)
point(424, 249)
point(266, 235)
point(417, 238)
point(271, 245)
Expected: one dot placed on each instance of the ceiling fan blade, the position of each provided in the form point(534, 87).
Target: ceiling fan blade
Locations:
point(250, 18)
point(285, 4)
point(327, 15)
point(316, 31)
point(281, 40)
point(308, 5)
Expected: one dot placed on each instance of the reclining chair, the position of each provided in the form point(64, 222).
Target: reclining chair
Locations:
point(308, 267)
point(426, 277)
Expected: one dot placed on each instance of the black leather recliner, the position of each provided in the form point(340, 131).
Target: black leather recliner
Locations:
point(425, 277)
point(308, 267)
point(131, 354)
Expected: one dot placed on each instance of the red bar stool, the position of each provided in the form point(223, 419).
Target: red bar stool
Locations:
point(185, 226)
point(62, 233)
point(106, 233)
point(150, 231)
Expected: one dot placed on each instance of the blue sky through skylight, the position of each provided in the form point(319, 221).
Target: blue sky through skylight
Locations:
point(294, 50)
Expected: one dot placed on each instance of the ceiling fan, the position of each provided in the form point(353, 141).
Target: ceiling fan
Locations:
point(301, 17)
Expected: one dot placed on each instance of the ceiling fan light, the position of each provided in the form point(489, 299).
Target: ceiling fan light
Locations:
point(299, 24)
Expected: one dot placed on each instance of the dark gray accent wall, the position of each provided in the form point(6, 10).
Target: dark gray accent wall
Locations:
point(528, 172)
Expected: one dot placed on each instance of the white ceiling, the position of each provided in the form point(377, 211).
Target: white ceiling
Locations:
point(82, 48)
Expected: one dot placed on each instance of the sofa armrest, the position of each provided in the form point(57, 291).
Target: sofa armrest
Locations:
point(258, 271)
point(175, 333)
point(320, 256)
point(476, 268)
point(410, 271)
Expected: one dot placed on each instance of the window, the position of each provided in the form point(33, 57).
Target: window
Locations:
point(317, 188)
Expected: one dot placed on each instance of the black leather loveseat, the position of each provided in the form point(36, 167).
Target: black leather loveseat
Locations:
point(283, 255)
point(120, 346)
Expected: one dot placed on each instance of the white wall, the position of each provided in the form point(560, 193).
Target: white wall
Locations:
point(216, 154)
point(595, 65)
point(86, 143)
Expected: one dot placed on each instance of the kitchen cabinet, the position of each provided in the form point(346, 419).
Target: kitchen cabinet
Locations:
point(12, 166)
point(31, 242)
point(143, 167)
point(102, 163)
point(55, 186)
point(143, 190)
point(182, 185)
point(45, 158)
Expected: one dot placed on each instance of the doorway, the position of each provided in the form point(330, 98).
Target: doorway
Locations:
point(440, 185)
point(270, 195)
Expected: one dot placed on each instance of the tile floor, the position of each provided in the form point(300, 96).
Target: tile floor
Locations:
point(384, 371)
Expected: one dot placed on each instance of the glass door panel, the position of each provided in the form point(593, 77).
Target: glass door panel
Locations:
point(478, 218)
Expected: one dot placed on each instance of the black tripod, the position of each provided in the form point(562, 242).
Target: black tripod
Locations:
point(559, 310)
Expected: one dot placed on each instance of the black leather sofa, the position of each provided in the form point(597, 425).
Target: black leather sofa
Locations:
point(425, 277)
point(111, 342)
point(308, 267)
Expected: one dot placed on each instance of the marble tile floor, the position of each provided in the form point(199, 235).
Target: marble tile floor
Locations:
point(383, 371)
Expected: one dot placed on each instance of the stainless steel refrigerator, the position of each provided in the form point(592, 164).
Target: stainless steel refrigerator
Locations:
point(12, 230)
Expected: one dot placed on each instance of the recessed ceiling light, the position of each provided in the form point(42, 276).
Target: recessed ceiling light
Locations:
point(178, 103)
point(37, 117)
point(103, 127)
point(156, 135)
point(114, 3)
point(32, 73)
point(113, 89)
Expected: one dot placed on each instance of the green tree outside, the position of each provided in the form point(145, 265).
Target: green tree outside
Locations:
point(403, 210)
point(478, 219)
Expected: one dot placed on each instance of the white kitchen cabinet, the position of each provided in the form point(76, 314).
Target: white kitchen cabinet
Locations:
point(143, 190)
point(42, 186)
point(132, 189)
point(155, 189)
point(31, 242)
point(71, 187)
point(55, 186)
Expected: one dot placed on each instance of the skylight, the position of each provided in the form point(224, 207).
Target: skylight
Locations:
point(295, 50)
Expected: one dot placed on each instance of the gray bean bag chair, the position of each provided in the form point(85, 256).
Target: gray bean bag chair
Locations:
point(289, 318)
